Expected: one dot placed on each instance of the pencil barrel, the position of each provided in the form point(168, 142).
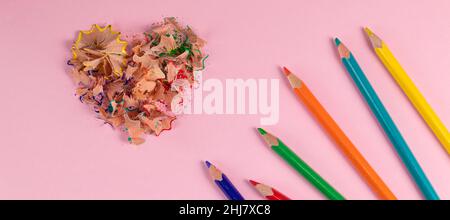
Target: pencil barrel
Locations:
point(347, 147)
point(306, 171)
point(390, 128)
point(229, 189)
point(414, 96)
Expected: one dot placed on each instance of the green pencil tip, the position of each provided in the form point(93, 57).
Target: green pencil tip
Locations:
point(262, 131)
point(337, 41)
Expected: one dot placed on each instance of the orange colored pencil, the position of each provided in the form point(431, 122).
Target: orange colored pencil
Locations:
point(327, 122)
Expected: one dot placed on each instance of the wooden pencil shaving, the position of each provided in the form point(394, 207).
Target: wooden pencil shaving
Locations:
point(138, 85)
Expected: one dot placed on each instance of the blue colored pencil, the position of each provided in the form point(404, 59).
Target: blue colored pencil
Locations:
point(386, 121)
point(223, 183)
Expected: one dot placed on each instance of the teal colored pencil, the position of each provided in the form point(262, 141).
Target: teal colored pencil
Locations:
point(386, 122)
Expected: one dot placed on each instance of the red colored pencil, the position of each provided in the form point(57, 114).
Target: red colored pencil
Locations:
point(268, 192)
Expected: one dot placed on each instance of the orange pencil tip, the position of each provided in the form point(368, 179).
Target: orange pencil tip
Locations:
point(286, 71)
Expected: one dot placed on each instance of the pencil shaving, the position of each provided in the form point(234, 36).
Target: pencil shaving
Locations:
point(143, 89)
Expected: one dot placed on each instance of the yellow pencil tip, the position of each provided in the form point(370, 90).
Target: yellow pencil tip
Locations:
point(374, 39)
point(368, 31)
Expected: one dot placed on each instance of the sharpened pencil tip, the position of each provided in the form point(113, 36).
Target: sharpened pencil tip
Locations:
point(337, 41)
point(293, 79)
point(368, 31)
point(208, 164)
point(286, 71)
point(342, 49)
point(254, 183)
point(268, 138)
point(262, 131)
point(374, 39)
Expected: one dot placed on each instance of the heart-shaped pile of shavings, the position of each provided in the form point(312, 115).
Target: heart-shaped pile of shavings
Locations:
point(139, 86)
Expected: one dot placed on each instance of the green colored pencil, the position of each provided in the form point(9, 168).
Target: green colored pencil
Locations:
point(300, 166)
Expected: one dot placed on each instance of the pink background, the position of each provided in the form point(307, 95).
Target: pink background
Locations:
point(52, 147)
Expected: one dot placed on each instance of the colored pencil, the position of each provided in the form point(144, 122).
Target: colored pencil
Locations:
point(268, 192)
point(386, 121)
point(411, 91)
point(223, 183)
point(335, 132)
point(300, 166)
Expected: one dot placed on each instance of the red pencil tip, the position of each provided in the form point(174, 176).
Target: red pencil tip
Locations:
point(286, 71)
point(254, 183)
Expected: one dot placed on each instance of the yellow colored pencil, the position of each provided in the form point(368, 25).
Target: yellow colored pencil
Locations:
point(411, 91)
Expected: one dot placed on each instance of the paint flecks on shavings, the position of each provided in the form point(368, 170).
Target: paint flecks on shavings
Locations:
point(141, 84)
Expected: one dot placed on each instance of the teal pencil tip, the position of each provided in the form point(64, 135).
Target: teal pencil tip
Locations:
point(262, 131)
point(337, 41)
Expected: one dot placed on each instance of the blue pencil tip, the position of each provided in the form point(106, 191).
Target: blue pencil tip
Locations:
point(337, 41)
point(208, 164)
